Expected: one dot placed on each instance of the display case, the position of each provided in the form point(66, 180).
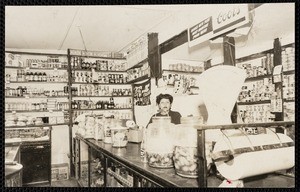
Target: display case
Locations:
point(83, 165)
point(97, 171)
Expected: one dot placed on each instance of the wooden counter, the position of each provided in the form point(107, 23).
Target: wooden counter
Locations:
point(130, 157)
point(13, 170)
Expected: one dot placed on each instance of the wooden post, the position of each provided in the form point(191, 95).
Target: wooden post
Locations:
point(202, 164)
point(278, 61)
point(229, 50)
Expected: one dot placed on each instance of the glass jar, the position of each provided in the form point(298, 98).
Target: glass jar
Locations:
point(89, 126)
point(119, 136)
point(99, 133)
point(185, 153)
point(159, 144)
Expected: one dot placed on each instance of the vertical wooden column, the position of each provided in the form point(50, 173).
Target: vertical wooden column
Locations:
point(278, 86)
point(229, 59)
point(154, 59)
point(72, 164)
point(229, 50)
point(207, 64)
point(202, 168)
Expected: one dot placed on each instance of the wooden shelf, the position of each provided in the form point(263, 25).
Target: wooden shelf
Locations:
point(289, 72)
point(34, 53)
point(43, 125)
point(258, 78)
point(254, 102)
point(84, 55)
point(33, 111)
point(254, 56)
point(30, 68)
point(39, 97)
point(141, 63)
point(186, 72)
point(100, 83)
point(103, 96)
point(288, 100)
point(119, 178)
point(101, 109)
point(35, 82)
point(98, 71)
point(138, 79)
point(191, 87)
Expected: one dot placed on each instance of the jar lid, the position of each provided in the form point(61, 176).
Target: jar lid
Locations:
point(191, 120)
point(161, 118)
point(118, 128)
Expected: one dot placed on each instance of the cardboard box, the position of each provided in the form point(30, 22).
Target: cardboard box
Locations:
point(135, 136)
point(60, 172)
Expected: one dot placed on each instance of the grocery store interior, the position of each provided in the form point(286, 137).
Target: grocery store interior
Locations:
point(185, 95)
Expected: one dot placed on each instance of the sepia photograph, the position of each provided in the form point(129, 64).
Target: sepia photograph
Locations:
point(143, 96)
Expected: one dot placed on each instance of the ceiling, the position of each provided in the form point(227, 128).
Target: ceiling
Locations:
point(102, 28)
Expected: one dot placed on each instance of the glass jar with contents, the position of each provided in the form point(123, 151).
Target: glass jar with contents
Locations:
point(89, 126)
point(119, 135)
point(159, 146)
point(185, 153)
point(99, 133)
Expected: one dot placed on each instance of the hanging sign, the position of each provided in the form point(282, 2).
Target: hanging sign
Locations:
point(218, 24)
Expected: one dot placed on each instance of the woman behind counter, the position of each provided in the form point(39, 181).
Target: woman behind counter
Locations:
point(164, 102)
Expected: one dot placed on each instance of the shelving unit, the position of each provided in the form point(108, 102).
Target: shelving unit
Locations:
point(268, 60)
point(27, 84)
point(143, 58)
point(97, 73)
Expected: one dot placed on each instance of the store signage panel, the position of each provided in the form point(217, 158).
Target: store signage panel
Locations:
point(229, 19)
point(218, 24)
point(200, 32)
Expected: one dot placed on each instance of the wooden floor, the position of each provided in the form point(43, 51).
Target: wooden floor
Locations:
point(67, 183)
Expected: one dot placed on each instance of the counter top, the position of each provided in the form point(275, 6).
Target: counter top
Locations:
point(11, 153)
point(130, 156)
point(11, 165)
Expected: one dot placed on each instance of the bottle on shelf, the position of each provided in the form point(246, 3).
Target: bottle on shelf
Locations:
point(111, 103)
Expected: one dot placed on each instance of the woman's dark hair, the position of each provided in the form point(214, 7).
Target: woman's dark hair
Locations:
point(164, 96)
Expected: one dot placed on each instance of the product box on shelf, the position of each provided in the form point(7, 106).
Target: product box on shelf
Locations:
point(135, 135)
point(60, 172)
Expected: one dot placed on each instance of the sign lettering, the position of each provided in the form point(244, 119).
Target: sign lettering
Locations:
point(218, 24)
